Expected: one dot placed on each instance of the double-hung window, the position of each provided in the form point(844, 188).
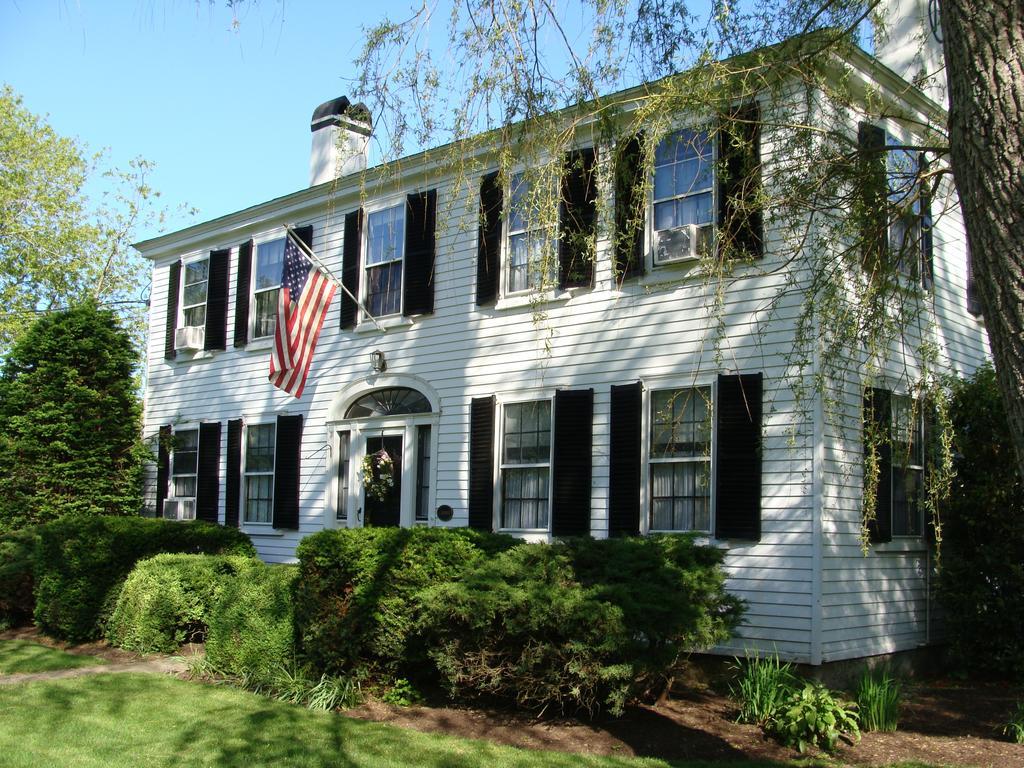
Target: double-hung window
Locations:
point(194, 291)
point(185, 463)
point(683, 196)
point(269, 266)
point(907, 466)
point(680, 459)
point(531, 253)
point(904, 192)
point(385, 252)
point(526, 465)
point(258, 483)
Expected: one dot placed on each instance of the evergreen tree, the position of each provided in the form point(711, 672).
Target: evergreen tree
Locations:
point(69, 420)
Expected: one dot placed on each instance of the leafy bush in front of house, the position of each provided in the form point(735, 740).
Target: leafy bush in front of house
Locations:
point(81, 563)
point(167, 600)
point(760, 688)
point(17, 556)
point(578, 625)
point(981, 578)
point(251, 630)
point(812, 716)
point(354, 602)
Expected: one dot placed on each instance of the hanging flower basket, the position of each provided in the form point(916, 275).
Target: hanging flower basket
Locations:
point(378, 474)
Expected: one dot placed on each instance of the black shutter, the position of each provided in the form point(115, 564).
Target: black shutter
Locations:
point(572, 462)
point(739, 158)
point(287, 469)
point(577, 220)
point(630, 208)
point(873, 190)
point(173, 287)
point(738, 458)
point(233, 484)
point(488, 249)
point(217, 301)
point(481, 463)
point(163, 467)
point(208, 478)
point(305, 235)
point(932, 454)
point(624, 468)
point(419, 253)
point(877, 411)
point(973, 297)
point(242, 279)
point(927, 255)
point(350, 267)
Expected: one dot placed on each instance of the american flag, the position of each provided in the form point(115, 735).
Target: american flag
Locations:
point(302, 303)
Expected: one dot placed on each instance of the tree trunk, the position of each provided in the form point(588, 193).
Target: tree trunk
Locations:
point(984, 49)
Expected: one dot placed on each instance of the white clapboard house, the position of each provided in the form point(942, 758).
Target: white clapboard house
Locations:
point(623, 399)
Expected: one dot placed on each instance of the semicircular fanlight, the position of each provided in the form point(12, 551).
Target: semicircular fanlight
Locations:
point(393, 401)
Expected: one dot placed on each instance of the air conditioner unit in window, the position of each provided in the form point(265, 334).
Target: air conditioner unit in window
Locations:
point(189, 337)
point(684, 243)
point(179, 509)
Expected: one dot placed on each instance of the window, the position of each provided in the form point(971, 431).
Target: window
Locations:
point(680, 460)
point(905, 220)
point(185, 463)
point(344, 449)
point(908, 466)
point(392, 401)
point(193, 293)
point(266, 282)
point(422, 514)
point(530, 245)
point(526, 465)
point(258, 488)
point(385, 248)
point(683, 197)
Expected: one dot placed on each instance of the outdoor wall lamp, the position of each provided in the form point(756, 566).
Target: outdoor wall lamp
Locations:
point(378, 362)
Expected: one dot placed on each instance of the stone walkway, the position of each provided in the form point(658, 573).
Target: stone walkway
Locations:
point(167, 665)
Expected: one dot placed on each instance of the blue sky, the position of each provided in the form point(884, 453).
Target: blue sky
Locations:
point(223, 110)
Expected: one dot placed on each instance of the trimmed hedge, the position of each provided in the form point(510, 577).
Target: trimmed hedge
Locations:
point(582, 624)
point(81, 563)
point(17, 555)
point(354, 598)
point(251, 629)
point(167, 600)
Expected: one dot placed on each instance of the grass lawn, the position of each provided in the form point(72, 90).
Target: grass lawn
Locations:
point(18, 656)
point(149, 720)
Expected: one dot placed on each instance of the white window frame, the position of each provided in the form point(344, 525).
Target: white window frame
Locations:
point(364, 281)
point(177, 430)
point(261, 473)
point(709, 227)
point(501, 465)
point(186, 262)
point(897, 465)
point(264, 239)
point(663, 384)
point(536, 281)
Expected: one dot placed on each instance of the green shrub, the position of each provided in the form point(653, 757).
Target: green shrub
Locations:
point(354, 597)
point(577, 625)
point(167, 600)
point(981, 578)
point(81, 563)
point(1014, 729)
point(761, 687)
point(330, 692)
point(251, 630)
point(878, 701)
point(17, 555)
point(812, 716)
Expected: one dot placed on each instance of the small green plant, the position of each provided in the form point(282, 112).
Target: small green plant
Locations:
point(401, 693)
point(878, 701)
point(293, 685)
point(761, 687)
point(1015, 728)
point(812, 716)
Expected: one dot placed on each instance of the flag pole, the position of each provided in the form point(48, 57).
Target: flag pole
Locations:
point(320, 265)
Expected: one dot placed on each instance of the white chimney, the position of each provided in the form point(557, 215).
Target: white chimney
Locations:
point(908, 41)
point(341, 140)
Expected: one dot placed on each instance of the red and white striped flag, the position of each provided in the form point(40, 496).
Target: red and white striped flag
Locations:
point(302, 303)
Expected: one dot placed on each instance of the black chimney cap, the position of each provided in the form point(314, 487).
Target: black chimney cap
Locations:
point(322, 115)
